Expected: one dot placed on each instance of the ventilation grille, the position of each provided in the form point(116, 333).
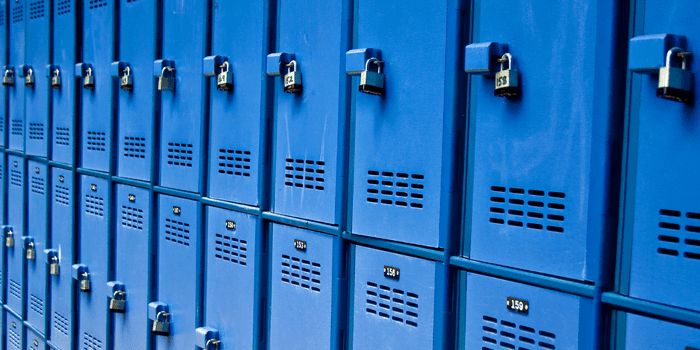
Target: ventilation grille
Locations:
point(94, 4)
point(36, 304)
point(18, 14)
point(94, 205)
point(96, 141)
point(62, 195)
point(392, 304)
point(177, 232)
point(15, 289)
point(36, 131)
point(508, 335)
point(60, 323)
point(400, 189)
point(134, 147)
point(304, 173)
point(63, 7)
point(180, 154)
point(231, 249)
point(234, 162)
point(38, 185)
point(533, 209)
point(63, 136)
point(301, 273)
point(132, 218)
point(14, 338)
point(679, 237)
point(36, 9)
point(16, 177)
point(17, 127)
point(91, 343)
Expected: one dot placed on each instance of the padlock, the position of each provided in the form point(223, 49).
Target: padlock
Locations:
point(56, 79)
point(372, 82)
point(53, 267)
point(118, 302)
point(85, 282)
point(9, 239)
point(675, 83)
point(507, 79)
point(212, 344)
point(292, 80)
point(127, 80)
point(166, 83)
point(161, 326)
point(31, 252)
point(224, 80)
point(9, 78)
point(89, 80)
point(29, 79)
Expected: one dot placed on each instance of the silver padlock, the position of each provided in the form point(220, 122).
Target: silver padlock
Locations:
point(10, 239)
point(56, 79)
point(166, 83)
point(9, 78)
point(292, 80)
point(31, 252)
point(118, 302)
point(54, 267)
point(224, 80)
point(161, 326)
point(507, 79)
point(89, 80)
point(85, 282)
point(675, 83)
point(372, 82)
point(127, 80)
point(213, 344)
point(29, 79)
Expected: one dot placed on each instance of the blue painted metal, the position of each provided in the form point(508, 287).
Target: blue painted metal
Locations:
point(17, 13)
point(16, 223)
point(133, 265)
point(239, 117)
point(204, 335)
point(541, 195)
point(35, 341)
point(37, 230)
point(650, 309)
point(38, 97)
point(138, 26)
point(647, 53)
point(4, 19)
point(479, 58)
point(648, 333)
point(405, 143)
point(311, 127)
point(184, 110)
point(14, 331)
point(64, 106)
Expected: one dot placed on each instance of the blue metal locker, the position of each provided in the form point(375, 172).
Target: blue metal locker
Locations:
point(179, 271)
point(403, 179)
point(38, 95)
point(662, 206)
point(643, 333)
point(37, 237)
point(63, 224)
point(3, 63)
point(304, 282)
point(93, 264)
point(3, 274)
point(542, 193)
point(137, 114)
point(15, 332)
point(233, 254)
point(533, 317)
point(15, 228)
point(132, 273)
point(35, 341)
point(399, 302)
point(97, 96)
point(311, 125)
point(239, 116)
point(15, 68)
point(64, 108)
point(184, 107)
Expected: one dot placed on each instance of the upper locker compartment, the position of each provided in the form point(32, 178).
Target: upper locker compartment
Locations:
point(544, 117)
point(13, 75)
point(61, 81)
point(407, 112)
point(36, 81)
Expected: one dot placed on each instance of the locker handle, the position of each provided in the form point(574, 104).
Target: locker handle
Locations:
point(207, 338)
point(481, 58)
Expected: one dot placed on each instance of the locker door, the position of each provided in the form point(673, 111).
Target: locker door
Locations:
point(3, 190)
point(238, 118)
point(665, 202)
point(403, 172)
point(64, 102)
point(38, 97)
point(15, 221)
point(543, 199)
point(97, 103)
point(184, 109)
point(37, 233)
point(15, 333)
point(3, 63)
point(310, 126)
point(178, 269)
point(15, 114)
point(648, 333)
point(94, 251)
point(35, 341)
point(132, 265)
point(136, 107)
point(62, 228)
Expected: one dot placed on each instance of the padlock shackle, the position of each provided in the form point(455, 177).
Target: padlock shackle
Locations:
point(224, 65)
point(118, 292)
point(89, 71)
point(375, 61)
point(86, 275)
point(56, 72)
point(292, 63)
point(31, 72)
point(210, 342)
point(127, 70)
point(165, 314)
point(162, 73)
point(9, 71)
point(507, 57)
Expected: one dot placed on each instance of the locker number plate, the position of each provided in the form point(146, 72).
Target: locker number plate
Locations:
point(300, 245)
point(230, 225)
point(391, 272)
point(518, 306)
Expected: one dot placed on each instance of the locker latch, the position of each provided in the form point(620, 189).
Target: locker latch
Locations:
point(117, 296)
point(207, 338)
point(158, 312)
point(361, 62)
point(9, 237)
point(29, 249)
point(8, 79)
point(224, 79)
point(81, 274)
point(52, 261)
point(285, 65)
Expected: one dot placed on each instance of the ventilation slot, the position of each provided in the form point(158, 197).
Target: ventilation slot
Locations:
point(36, 131)
point(18, 14)
point(132, 218)
point(180, 154)
point(531, 209)
point(16, 177)
point(301, 273)
point(392, 304)
point(177, 232)
point(14, 338)
point(63, 136)
point(15, 289)
point(60, 323)
point(678, 234)
point(38, 185)
point(63, 7)
point(234, 162)
point(36, 9)
point(508, 335)
point(36, 304)
point(132, 0)
point(62, 195)
point(17, 127)
point(135, 147)
point(400, 189)
point(96, 141)
point(2, 23)
point(91, 343)
point(94, 4)
point(307, 174)
point(231, 249)
point(94, 205)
